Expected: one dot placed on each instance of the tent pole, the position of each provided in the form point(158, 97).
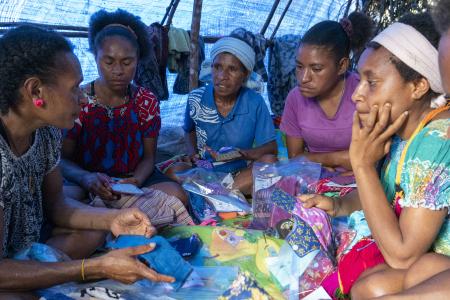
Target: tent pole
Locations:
point(347, 9)
point(167, 12)
point(269, 17)
point(172, 13)
point(193, 59)
point(281, 19)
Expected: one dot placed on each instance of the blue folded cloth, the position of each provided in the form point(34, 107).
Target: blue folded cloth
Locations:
point(164, 259)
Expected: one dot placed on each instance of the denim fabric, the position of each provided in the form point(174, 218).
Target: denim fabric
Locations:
point(164, 259)
point(282, 71)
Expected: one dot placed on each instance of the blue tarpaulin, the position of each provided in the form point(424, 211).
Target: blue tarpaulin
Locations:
point(219, 17)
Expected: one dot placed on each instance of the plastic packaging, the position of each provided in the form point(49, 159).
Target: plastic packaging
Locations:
point(212, 193)
point(295, 176)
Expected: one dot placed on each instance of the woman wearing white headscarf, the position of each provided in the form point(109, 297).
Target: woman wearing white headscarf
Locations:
point(406, 204)
point(228, 114)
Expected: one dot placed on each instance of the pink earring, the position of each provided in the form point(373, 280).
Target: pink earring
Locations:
point(38, 102)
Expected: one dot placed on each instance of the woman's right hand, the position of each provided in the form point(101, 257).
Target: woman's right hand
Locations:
point(122, 265)
point(191, 158)
point(99, 185)
point(325, 203)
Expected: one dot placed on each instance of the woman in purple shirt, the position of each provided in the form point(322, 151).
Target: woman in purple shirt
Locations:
point(318, 113)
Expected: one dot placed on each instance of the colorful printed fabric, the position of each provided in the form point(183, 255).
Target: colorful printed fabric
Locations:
point(264, 212)
point(357, 224)
point(322, 187)
point(283, 200)
point(244, 287)
point(302, 238)
point(111, 140)
point(320, 223)
point(243, 248)
point(312, 228)
point(425, 179)
point(315, 274)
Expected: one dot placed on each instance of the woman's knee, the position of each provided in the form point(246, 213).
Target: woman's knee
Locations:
point(426, 267)
point(76, 244)
point(173, 189)
point(378, 284)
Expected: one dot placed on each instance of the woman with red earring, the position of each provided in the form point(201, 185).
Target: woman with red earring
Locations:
point(38, 102)
point(33, 109)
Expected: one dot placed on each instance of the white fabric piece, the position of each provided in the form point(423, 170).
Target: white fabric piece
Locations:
point(438, 102)
point(319, 294)
point(412, 48)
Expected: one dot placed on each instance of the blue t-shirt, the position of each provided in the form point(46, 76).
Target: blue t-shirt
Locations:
point(248, 124)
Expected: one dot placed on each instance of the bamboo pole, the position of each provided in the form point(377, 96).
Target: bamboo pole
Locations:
point(193, 59)
point(172, 13)
point(280, 20)
point(269, 17)
point(167, 12)
point(347, 9)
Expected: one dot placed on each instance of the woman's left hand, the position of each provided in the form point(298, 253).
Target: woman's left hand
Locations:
point(372, 141)
point(132, 221)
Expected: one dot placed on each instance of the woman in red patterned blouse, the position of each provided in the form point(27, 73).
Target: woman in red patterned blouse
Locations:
point(117, 130)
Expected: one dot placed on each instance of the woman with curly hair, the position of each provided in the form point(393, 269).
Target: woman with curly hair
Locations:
point(116, 133)
point(39, 91)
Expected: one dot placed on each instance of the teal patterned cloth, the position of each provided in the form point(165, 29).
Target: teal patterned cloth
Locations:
point(425, 178)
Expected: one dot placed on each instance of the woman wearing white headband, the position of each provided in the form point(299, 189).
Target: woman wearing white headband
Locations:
point(406, 203)
point(428, 278)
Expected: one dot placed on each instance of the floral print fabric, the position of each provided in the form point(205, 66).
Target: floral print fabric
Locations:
point(425, 178)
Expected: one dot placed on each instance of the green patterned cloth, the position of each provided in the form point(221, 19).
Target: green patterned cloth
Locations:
point(226, 246)
point(425, 178)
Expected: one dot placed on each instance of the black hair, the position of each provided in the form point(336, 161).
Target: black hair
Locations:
point(331, 34)
point(28, 51)
point(129, 27)
point(423, 23)
point(441, 15)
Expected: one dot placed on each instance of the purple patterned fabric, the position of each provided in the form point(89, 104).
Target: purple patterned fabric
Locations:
point(320, 222)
